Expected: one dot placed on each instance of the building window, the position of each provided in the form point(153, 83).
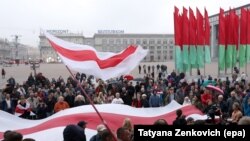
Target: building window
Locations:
point(171, 57)
point(118, 41)
point(171, 41)
point(165, 52)
point(111, 41)
point(159, 58)
point(158, 52)
point(151, 52)
point(158, 41)
point(152, 47)
point(165, 42)
point(145, 41)
point(144, 47)
point(152, 41)
point(171, 47)
point(138, 41)
point(171, 52)
point(158, 47)
point(125, 41)
point(151, 58)
point(165, 47)
point(165, 58)
point(131, 41)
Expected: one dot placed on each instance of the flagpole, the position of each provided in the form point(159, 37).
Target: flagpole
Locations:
point(204, 50)
point(91, 102)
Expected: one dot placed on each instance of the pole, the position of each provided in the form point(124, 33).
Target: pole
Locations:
point(91, 102)
point(204, 51)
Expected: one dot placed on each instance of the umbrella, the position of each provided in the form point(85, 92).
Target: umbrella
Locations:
point(208, 82)
point(129, 77)
point(211, 87)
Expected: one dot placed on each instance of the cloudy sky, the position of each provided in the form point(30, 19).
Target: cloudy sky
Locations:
point(27, 17)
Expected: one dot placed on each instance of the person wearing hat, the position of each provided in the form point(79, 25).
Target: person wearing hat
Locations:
point(100, 129)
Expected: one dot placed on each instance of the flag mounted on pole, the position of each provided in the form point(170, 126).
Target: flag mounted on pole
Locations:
point(232, 39)
point(222, 40)
point(192, 38)
point(248, 35)
point(200, 39)
point(104, 65)
point(185, 40)
point(207, 38)
point(243, 37)
point(177, 35)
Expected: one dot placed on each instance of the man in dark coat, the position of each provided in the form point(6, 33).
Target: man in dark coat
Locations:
point(74, 133)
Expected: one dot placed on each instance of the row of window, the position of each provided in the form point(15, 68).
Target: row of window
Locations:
point(159, 58)
point(137, 41)
point(158, 47)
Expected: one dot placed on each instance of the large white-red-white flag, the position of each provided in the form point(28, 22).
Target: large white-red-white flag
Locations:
point(104, 65)
point(51, 128)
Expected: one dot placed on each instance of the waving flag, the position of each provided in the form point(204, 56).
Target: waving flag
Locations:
point(51, 128)
point(104, 65)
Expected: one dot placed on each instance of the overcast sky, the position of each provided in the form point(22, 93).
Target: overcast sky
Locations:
point(27, 17)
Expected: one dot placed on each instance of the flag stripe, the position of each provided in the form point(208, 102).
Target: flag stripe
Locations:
point(114, 117)
point(87, 55)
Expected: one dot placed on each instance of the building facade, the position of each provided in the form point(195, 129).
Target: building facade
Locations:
point(214, 26)
point(161, 46)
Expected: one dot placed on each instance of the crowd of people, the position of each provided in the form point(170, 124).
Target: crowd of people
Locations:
point(39, 97)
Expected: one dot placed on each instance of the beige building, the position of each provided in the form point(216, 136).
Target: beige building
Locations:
point(161, 46)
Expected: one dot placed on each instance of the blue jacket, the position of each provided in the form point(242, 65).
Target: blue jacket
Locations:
point(246, 106)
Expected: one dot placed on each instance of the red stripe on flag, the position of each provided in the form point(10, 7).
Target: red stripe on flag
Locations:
point(113, 120)
point(200, 31)
point(192, 27)
point(207, 29)
point(243, 26)
point(222, 29)
point(89, 55)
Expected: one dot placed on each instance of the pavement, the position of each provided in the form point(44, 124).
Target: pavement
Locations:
point(22, 72)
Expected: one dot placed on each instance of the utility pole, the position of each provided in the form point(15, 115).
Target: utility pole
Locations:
point(16, 37)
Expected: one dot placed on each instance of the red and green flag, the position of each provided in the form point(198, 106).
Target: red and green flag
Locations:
point(185, 40)
point(243, 37)
point(178, 42)
point(192, 38)
point(207, 38)
point(222, 40)
point(248, 36)
point(200, 39)
point(232, 39)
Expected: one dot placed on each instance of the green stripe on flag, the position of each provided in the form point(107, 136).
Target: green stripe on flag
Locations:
point(221, 57)
point(248, 53)
point(235, 56)
point(178, 59)
point(185, 54)
point(200, 56)
point(242, 55)
point(229, 56)
point(192, 55)
point(207, 54)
